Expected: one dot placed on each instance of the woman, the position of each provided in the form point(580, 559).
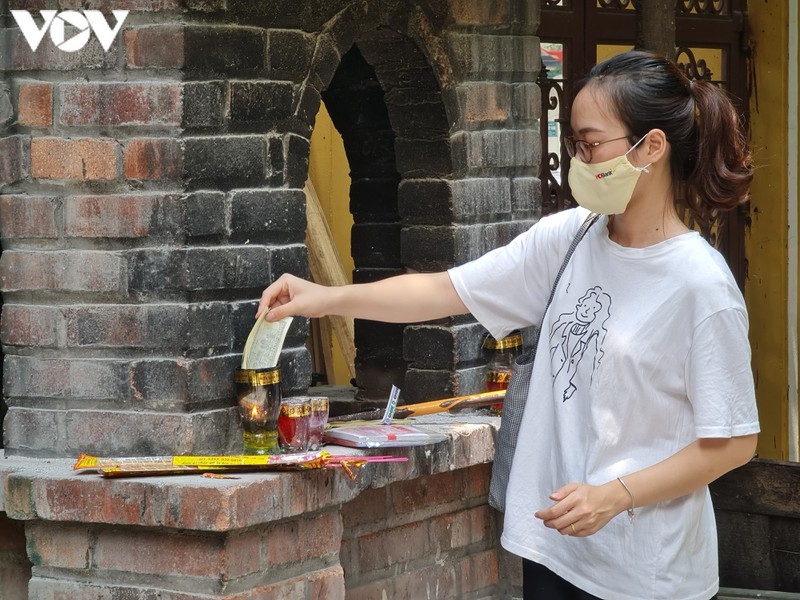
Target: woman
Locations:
point(608, 494)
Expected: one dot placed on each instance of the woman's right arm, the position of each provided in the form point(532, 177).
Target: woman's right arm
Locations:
point(406, 298)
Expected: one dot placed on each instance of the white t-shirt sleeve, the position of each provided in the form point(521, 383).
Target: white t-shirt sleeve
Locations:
point(507, 288)
point(719, 379)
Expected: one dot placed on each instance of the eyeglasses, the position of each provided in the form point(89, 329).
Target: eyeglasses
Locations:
point(583, 149)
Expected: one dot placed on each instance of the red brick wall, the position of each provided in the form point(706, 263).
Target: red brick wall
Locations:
point(431, 537)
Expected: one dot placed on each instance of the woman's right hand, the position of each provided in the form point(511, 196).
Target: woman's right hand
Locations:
point(290, 296)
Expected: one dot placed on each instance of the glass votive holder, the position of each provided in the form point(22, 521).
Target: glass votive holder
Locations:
point(293, 423)
point(317, 421)
point(258, 395)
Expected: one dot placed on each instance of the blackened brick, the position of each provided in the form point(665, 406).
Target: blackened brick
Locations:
point(157, 270)
point(210, 330)
point(288, 259)
point(417, 114)
point(427, 248)
point(262, 216)
point(298, 148)
point(375, 339)
point(422, 385)
point(158, 384)
point(526, 102)
point(259, 101)
point(376, 376)
point(289, 53)
point(211, 381)
point(427, 201)
point(440, 347)
point(224, 268)
point(277, 161)
point(308, 106)
point(222, 50)
point(242, 317)
point(205, 214)
point(427, 347)
point(224, 161)
point(162, 326)
point(423, 158)
point(504, 57)
point(203, 104)
point(107, 5)
point(295, 365)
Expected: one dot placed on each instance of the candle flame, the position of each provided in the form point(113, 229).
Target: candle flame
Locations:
point(254, 413)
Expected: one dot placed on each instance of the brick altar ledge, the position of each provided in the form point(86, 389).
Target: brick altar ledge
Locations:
point(398, 530)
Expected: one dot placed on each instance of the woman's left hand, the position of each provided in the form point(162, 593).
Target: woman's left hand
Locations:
point(581, 509)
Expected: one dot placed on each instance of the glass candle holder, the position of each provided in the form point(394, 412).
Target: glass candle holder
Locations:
point(317, 421)
point(258, 395)
point(293, 423)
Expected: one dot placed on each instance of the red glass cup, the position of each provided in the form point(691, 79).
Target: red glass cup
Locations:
point(293, 423)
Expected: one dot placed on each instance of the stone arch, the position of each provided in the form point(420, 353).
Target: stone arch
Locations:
point(141, 272)
point(385, 99)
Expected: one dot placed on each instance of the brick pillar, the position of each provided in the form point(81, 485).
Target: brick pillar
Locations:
point(142, 216)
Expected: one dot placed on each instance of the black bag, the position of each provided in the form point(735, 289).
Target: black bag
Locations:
point(517, 395)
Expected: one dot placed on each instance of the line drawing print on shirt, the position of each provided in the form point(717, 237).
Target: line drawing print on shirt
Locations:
point(574, 334)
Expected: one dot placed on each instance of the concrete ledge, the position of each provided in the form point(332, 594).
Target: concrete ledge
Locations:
point(302, 534)
point(48, 489)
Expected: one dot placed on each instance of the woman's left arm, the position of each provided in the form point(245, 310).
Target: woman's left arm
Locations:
point(582, 509)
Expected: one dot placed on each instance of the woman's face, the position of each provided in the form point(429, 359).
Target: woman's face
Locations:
point(593, 122)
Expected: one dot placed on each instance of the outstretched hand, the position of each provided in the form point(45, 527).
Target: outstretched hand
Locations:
point(290, 296)
point(580, 509)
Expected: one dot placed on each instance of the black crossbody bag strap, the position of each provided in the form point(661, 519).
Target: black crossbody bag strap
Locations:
point(517, 393)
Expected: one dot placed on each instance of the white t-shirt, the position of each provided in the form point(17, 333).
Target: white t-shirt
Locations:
point(642, 351)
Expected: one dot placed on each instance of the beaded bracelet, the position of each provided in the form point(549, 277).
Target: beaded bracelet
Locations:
point(631, 514)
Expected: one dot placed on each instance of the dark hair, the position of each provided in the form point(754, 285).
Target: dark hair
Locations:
point(710, 161)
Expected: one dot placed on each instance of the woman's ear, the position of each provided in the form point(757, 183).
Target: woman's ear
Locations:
point(656, 145)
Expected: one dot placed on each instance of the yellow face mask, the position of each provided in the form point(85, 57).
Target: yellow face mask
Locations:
point(605, 187)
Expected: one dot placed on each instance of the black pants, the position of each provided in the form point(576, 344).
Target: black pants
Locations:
point(540, 583)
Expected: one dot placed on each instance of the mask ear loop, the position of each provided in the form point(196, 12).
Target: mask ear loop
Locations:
point(644, 169)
